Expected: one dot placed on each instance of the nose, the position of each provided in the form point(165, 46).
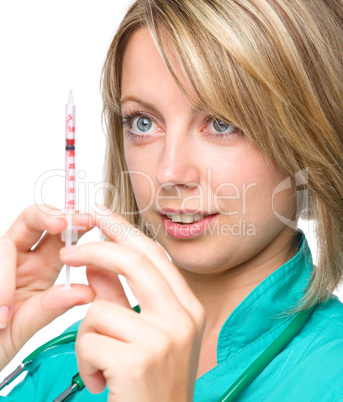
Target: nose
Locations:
point(178, 165)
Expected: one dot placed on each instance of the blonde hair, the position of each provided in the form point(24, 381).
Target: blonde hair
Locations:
point(271, 67)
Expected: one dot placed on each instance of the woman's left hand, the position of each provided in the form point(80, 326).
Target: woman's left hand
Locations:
point(151, 356)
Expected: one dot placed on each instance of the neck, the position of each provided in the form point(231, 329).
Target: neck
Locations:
point(220, 293)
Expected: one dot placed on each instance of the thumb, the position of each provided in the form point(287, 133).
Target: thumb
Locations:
point(38, 311)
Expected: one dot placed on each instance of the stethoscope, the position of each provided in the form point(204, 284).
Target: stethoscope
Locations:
point(76, 384)
point(236, 388)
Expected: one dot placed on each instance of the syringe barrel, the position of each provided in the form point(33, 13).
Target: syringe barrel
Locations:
point(70, 158)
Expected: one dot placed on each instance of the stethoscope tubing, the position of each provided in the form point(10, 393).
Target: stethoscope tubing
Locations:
point(236, 388)
point(267, 356)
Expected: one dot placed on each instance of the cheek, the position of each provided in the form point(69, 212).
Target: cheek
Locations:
point(142, 158)
point(274, 197)
point(284, 198)
point(132, 158)
point(141, 176)
point(255, 190)
point(143, 188)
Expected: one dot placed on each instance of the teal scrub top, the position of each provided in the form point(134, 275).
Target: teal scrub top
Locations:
point(310, 368)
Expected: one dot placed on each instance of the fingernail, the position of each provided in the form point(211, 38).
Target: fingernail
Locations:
point(4, 316)
point(67, 250)
point(88, 300)
point(56, 219)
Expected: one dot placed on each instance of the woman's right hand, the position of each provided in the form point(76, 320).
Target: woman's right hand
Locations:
point(28, 298)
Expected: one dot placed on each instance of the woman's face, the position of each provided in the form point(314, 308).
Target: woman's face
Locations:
point(179, 157)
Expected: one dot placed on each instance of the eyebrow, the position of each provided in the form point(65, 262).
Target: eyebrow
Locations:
point(151, 106)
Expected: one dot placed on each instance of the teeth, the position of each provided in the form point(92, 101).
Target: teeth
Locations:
point(186, 218)
point(175, 218)
point(198, 217)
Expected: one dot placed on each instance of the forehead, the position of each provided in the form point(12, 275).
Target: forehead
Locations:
point(145, 71)
point(141, 54)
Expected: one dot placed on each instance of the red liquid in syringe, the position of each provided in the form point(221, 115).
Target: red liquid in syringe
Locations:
point(70, 234)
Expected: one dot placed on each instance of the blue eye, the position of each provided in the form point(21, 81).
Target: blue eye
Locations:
point(140, 126)
point(222, 127)
point(144, 124)
point(139, 123)
point(219, 129)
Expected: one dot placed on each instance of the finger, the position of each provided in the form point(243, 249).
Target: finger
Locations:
point(97, 357)
point(106, 285)
point(117, 322)
point(29, 226)
point(146, 282)
point(8, 259)
point(50, 244)
point(39, 310)
point(118, 229)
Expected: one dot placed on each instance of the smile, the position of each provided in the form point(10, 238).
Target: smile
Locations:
point(185, 226)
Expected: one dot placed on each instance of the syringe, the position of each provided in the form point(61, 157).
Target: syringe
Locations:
point(69, 235)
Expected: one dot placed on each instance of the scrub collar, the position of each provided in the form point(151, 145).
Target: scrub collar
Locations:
point(259, 315)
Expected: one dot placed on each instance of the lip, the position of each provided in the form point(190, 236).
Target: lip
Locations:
point(169, 211)
point(186, 231)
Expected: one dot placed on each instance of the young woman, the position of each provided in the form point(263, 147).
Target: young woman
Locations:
point(224, 128)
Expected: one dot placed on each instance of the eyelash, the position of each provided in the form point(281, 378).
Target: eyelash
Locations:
point(128, 118)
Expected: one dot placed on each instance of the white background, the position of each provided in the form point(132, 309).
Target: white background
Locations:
point(48, 48)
